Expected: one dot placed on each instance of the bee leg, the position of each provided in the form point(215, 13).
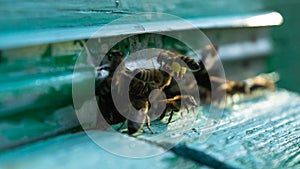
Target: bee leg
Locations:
point(187, 109)
point(148, 124)
point(168, 82)
point(162, 115)
point(122, 125)
point(170, 118)
point(193, 109)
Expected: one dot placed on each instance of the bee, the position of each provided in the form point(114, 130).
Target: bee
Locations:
point(246, 87)
point(146, 80)
point(172, 61)
point(232, 87)
point(121, 75)
point(143, 81)
point(174, 104)
point(228, 87)
point(103, 91)
point(263, 81)
point(204, 82)
point(224, 86)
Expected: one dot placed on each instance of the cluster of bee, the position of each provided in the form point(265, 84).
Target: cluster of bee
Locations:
point(166, 79)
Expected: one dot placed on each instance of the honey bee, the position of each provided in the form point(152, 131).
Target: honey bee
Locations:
point(106, 104)
point(224, 86)
point(174, 104)
point(263, 81)
point(103, 92)
point(246, 87)
point(232, 87)
point(204, 82)
point(120, 76)
point(145, 80)
point(228, 87)
point(171, 61)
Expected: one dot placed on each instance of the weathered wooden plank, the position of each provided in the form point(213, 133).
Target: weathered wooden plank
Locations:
point(233, 44)
point(24, 129)
point(133, 26)
point(35, 92)
point(74, 151)
point(20, 15)
point(257, 133)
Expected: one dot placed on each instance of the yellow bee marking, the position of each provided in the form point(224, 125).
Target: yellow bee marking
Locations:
point(176, 67)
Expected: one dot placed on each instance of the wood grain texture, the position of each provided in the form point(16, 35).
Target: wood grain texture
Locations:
point(261, 132)
point(18, 131)
point(20, 15)
point(137, 24)
point(257, 133)
point(77, 151)
point(26, 23)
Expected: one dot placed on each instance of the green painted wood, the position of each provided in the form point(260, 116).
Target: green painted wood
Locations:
point(58, 54)
point(128, 25)
point(35, 92)
point(258, 132)
point(72, 151)
point(26, 23)
point(20, 15)
point(21, 130)
point(261, 132)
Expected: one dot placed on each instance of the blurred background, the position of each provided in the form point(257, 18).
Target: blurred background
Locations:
point(285, 57)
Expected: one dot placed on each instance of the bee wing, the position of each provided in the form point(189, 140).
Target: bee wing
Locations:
point(152, 63)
